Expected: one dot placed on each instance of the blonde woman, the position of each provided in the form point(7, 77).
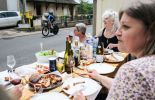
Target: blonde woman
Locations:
point(110, 25)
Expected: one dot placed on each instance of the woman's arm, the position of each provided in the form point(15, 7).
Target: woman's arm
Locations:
point(104, 80)
point(111, 45)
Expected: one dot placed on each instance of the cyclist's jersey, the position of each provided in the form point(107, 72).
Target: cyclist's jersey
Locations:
point(50, 18)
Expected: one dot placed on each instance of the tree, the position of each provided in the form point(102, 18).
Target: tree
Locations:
point(84, 7)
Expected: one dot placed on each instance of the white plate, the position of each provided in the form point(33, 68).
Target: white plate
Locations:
point(25, 70)
point(101, 68)
point(50, 96)
point(88, 88)
point(108, 51)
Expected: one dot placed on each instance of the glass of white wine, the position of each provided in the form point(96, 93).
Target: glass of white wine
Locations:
point(11, 62)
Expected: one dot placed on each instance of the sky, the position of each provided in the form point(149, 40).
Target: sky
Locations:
point(90, 1)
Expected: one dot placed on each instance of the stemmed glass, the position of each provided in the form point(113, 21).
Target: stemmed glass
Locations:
point(72, 64)
point(11, 62)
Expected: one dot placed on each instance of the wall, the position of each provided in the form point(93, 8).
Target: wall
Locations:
point(12, 5)
point(3, 5)
point(101, 6)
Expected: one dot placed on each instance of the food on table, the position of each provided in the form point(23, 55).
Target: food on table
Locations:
point(15, 81)
point(42, 69)
point(45, 81)
point(66, 87)
point(34, 78)
point(47, 52)
point(7, 78)
point(43, 56)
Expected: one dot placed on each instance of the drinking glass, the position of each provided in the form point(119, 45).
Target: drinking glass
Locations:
point(11, 62)
point(72, 64)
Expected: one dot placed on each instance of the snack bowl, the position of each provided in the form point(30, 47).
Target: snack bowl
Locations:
point(43, 56)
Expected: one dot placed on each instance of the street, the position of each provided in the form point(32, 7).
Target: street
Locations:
point(25, 47)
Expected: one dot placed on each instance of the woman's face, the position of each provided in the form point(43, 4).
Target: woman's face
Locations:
point(108, 23)
point(76, 33)
point(130, 35)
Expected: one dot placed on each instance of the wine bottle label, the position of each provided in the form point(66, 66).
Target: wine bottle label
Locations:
point(99, 58)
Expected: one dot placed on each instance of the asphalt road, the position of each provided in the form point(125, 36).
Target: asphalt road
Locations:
point(25, 47)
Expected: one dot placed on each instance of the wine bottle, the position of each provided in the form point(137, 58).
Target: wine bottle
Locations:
point(68, 55)
point(99, 53)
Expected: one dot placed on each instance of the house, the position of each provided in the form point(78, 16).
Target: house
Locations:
point(9, 5)
point(58, 7)
point(38, 7)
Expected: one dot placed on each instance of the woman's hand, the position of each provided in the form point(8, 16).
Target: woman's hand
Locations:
point(93, 74)
point(79, 96)
point(111, 45)
point(16, 92)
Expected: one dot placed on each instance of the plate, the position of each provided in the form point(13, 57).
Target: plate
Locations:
point(115, 57)
point(101, 68)
point(25, 70)
point(46, 81)
point(86, 85)
point(50, 96)
point(108, 51)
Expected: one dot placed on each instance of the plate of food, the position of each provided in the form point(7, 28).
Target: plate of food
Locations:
point(45, 81)
point(42, 68)
point(86, 85)
point(115, 57)
point(101, 68)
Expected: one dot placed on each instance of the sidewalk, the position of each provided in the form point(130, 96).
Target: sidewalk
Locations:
point(11, 33)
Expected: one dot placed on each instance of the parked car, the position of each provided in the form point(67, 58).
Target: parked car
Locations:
point(9, 18)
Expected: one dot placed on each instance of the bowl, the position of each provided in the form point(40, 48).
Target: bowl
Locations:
point(43, 56)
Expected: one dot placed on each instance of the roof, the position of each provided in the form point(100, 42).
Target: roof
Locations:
point(55, 1)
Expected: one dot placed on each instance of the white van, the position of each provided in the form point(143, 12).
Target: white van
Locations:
point(9, 18)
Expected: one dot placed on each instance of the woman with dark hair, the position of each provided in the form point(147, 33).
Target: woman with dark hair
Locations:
point(136, 35)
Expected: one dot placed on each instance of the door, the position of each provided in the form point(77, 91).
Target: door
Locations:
point(12, 18)
point(38, 9)
point(3, 20)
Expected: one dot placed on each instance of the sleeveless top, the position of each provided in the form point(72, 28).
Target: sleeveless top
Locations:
point(107, 41)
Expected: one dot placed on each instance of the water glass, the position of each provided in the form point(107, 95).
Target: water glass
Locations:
point(11, 62)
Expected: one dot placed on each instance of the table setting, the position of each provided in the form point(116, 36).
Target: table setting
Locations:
point(46, 78)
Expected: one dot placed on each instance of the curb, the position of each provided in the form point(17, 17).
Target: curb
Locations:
point(22, 33)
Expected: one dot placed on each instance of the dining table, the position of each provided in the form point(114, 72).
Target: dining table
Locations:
point(27, 94)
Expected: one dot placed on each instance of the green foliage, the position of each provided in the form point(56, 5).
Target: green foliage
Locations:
point(85, 7)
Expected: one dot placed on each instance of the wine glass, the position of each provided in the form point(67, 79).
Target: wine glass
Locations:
point(11, 62)
point(72, 64)
point(41, 46)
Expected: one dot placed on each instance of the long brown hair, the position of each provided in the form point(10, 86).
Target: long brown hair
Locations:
point(144, 12)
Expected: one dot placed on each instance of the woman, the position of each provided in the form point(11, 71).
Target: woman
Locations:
point(107, 36)
point(79, 31)
point(136, 35)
